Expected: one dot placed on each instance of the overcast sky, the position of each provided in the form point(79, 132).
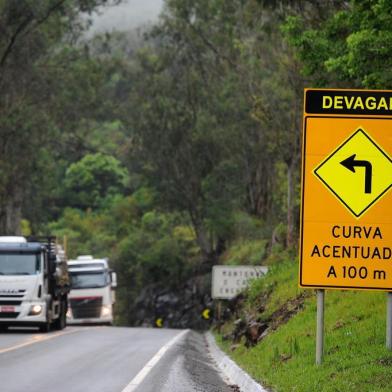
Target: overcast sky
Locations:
point(128, 15)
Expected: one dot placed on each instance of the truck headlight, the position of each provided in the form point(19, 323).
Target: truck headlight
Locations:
point(35, 310)
point(105, 311)
point(69, 313)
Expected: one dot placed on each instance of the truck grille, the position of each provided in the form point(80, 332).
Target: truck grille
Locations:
point(12, 293)
point(10, 303)
point(12, 315)
point(86, 307)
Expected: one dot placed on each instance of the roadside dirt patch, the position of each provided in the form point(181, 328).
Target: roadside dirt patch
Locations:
point(254, 330)
point(286, 311)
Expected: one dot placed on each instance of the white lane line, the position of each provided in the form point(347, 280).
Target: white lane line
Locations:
point(39, 339)
point(137, 380)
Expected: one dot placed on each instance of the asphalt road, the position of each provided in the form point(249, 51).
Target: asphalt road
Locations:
point(107, 359)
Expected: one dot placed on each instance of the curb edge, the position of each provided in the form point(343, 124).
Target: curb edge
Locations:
point(230, 369)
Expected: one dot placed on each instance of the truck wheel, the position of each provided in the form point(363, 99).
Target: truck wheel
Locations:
point(61, 322)
point(45, 327)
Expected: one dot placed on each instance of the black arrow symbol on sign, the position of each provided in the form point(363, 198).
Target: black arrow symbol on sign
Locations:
point(351, 163)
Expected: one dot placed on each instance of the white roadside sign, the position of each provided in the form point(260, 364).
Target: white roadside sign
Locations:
point(228, 281)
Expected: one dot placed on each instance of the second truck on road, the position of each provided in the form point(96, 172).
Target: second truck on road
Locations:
point(92, 296)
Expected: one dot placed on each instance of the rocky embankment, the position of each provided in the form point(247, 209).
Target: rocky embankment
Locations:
point(186, 306)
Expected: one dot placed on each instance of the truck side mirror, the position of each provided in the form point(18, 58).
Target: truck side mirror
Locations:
point(113, 277)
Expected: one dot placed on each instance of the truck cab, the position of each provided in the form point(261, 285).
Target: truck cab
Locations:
point(34, 283)
point(92, 295)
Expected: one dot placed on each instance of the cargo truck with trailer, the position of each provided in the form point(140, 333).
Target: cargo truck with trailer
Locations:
point(34, 283)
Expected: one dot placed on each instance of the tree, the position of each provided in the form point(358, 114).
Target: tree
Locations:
point(94, 179)
point(351, 47)
point(220, 89)
point(34, 37)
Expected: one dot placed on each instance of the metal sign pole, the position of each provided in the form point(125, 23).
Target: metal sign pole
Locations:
point(320, 327)
point(218, 314)
point(218, 310)
point(389, 321)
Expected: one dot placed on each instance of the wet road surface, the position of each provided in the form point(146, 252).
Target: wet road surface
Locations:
point(107, 359)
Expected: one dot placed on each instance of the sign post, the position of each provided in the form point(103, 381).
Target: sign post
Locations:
point(389, 321)
point(320, 327)
point(346, 211)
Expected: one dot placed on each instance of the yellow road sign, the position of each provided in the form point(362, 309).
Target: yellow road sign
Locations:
point(159, 322)
point(346, 214)
point(206, 314)
point(358, 172)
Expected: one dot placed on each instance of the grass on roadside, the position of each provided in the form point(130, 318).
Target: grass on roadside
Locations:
point(355, 355)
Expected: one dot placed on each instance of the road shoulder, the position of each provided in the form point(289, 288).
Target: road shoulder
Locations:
point(186, 367)
point(230, 370)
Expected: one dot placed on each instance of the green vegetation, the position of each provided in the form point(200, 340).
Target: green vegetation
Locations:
point(350, 48)
point(280, 286)
point(355, 355)
point(178, 148)
point(159, 151)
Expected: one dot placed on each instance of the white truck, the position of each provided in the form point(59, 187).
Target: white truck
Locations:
point(92, 291)
point(34, 283)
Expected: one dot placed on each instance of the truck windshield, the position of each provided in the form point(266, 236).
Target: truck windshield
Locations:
point(19, 264)
point(88, 280)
